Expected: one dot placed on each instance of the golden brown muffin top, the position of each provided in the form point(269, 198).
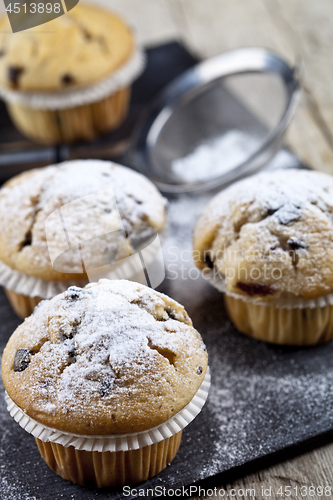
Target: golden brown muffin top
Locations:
point(113, 357)
point(74, 50)
point(270, 235)
point(87, 198)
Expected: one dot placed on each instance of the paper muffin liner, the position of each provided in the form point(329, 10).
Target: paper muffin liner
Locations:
point(22, 304)
point(121, 78)
point(109, 469)
point(288, 302)
point(31, 286)
point(116, 442)
point(284, 326)
point(67, 125)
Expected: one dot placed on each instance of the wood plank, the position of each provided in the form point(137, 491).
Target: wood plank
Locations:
point(151, 19)
point(308, 25)
point(310, 469)
point(211, 27)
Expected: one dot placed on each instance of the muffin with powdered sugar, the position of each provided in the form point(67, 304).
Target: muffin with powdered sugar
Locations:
point(267, 242)
point(114, 360)
point(72, 81)
point(60, 221)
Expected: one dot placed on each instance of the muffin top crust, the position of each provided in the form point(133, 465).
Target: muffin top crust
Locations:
point(270, 236)
point(74, 50)
point(113, 357)
point(86, 209)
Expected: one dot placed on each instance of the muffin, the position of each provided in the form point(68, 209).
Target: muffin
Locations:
point(72, 81)
point(267, 243)
point(61, 225)
point(106, 377)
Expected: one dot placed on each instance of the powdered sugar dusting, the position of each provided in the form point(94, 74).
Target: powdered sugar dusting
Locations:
point(283, 192)
point(102, 350)
point(216, 157)
point(279, 224)
point(98, 193)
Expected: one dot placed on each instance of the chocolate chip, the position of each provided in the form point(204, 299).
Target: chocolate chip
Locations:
point(44, 384)
point(255, 288)
point(295, 244)
point(71, 355)
point(106, 385)
point(73, 296)
point(67, 79)
point(67, 335)
point(288, 213)
point(272, 211)
point(86, 34)
point(139, 202)
point(199, 370)
point(22, 359)
point(208, 261)
point(171, 314)
point(74, 293)
point(27, 240)
point(14, 74)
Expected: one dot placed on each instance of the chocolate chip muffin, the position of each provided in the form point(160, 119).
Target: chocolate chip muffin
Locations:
point(109, 360)
point(267, 243)
point(72, 81)
point(60, 222)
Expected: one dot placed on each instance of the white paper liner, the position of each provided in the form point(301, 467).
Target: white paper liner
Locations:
point(116, 442)
point(78, 97)
point(33, 287)
point(292, 302)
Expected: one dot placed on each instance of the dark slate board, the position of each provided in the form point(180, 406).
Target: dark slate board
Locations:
point(266, 402)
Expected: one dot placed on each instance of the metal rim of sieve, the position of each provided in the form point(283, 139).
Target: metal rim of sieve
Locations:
point(191, 83)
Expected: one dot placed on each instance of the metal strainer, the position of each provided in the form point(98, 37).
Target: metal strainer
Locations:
point(251, 92)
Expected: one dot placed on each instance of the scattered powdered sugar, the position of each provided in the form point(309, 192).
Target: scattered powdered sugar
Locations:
point(267, 400)
point(10, 480)
point(216, 157)
point(13, 490)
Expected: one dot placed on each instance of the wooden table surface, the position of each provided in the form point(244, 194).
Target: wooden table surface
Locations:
point(293, 28)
